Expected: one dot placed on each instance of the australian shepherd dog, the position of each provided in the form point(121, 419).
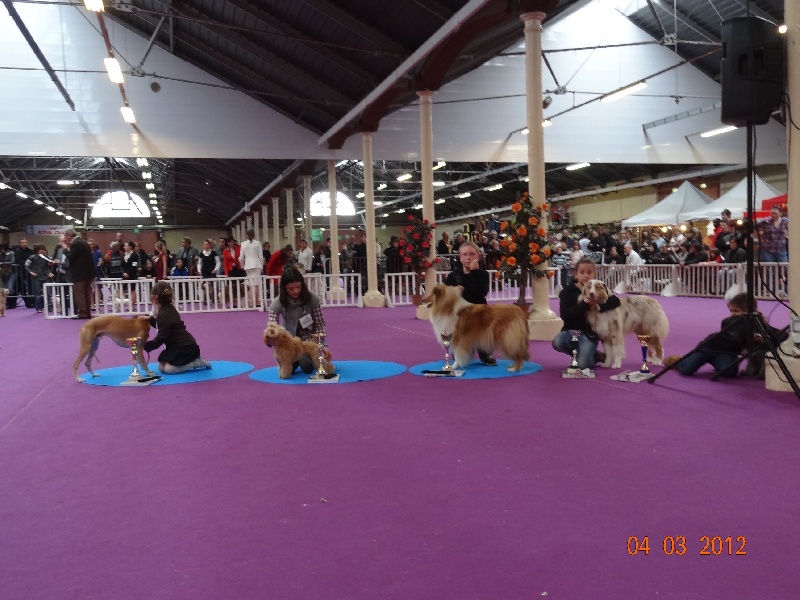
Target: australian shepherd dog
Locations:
point(637, 314)
point(478, 326)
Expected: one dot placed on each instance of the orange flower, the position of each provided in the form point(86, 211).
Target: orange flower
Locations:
point(550, 274)
point(533, 221)
point(516, 207)
point(536, 259)
point(546, 252)
point(542, 232)
point(504, 242)
point(511, 261)
point(503, 225)
point(534, 247)
point(522, 231)
point(512, 247)
point(543, 206)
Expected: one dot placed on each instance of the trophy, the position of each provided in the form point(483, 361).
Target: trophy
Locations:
point(644, 340)
point(137, 378)
point(322, 375)
point(574, 371)
point(446, 339)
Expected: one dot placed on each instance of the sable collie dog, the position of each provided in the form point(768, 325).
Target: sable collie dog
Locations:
point(119, 329)
point(637, 314)
point(485, 326)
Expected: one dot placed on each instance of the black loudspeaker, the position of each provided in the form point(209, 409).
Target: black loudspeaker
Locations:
point(752, 71)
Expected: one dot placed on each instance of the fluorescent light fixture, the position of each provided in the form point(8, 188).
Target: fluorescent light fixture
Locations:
point(100, 226)
point(78, 222)
point(404, 177)
point(127, 114)
point(114, 70)
point(464, 195)
point(439, 183)
point(142, 162)
point(66, 182)
point(94, 5)
point(382, 186)
point(150, 186)
point(153, 196)
point(417, 206)
point(718, 131)
point(493, 188)
point(546, 123)
point(147, 175)
point(37, 201)
point(524, 178)
point(69, 218)
point(577, 166)
point(626, 91)
point(342, 163)
point(377, 203)
point(400, 210)
point(59, 213)
point(439, 201)
point(50, 208)
point(3, 186)
point(21, 195)
point(439, 165)
point(385, 215)
point(525, 131)
point(360, 195)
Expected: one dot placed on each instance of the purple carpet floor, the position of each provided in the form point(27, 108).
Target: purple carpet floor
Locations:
point(398, 488)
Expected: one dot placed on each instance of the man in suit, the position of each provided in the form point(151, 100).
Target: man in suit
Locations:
point(81, 268)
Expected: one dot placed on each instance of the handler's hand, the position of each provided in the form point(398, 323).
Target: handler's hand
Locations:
point(327, 352)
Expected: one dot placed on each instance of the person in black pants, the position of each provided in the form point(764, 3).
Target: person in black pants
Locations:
point(473, 281)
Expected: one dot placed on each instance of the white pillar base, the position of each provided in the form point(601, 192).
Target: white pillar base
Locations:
point(336, 294)
point(374, 299)
point(543, 325)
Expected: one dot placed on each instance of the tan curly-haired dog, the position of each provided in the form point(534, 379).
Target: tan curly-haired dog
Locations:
point(288, 349)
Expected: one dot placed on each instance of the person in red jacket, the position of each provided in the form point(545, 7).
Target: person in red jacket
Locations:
point(230, 259)
point(280, 260)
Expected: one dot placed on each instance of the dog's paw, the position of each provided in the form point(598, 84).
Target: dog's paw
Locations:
point(616, 364)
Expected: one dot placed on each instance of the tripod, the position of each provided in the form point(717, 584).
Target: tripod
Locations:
point(752, 320)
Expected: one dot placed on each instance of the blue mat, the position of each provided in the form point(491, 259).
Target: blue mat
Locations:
point(477, 370)
point(349, 371)
point(220, 370)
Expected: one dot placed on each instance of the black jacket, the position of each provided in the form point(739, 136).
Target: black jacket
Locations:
point(573, 310)
point(475, 284)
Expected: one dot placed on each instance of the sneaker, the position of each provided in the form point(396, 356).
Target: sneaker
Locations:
point(38, 310)
point(489, 361)
point(201, 363)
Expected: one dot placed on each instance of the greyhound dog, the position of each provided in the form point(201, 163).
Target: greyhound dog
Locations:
point(119, 329)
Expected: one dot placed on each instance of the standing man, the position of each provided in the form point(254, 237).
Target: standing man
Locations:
point(252, 257)
point(305, 257)
point(81, 268)
point(188, 255)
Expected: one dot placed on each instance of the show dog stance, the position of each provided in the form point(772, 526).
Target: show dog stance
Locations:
point(288, 349)
point(478, 326)
point(119, 329)
point(636, 314)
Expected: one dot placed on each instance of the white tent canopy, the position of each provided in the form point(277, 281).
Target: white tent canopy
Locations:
point(735, 200)
point(667, 212)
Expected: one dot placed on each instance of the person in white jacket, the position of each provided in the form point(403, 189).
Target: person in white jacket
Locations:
point(631, 256)
point(252, 259)
point(305, 257)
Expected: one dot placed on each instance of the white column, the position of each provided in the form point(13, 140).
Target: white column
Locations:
point(307, 208)
point(290, 218)
point(336, 291)
point(264, 233)
point(255, 226)
point(426, 170)
point(276, 231)
point(373, 298)
point(543, 323)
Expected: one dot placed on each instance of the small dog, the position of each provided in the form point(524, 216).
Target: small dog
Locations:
point(478, 326)
point(119, 329)
point(638, 314)
point(288, 349)
point(3, 297)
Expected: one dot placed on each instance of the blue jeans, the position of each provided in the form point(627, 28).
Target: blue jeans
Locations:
point(723, 363)
point(38, 297)
point(587, 349)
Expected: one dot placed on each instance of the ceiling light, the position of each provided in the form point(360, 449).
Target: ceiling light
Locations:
point(377, 203)
point(439, 165)
point(577, 166)
point(78, 222)
point(546, 123)
point(703, 185)
point(50, 208)
point(342, 163)
point(464, 195)
point(404, 177)
point(417, 206)
point(439, 201)
point(66, 182)
point(154, 202)
point(717, 131)
point(142, 162)
point(153, 196)
point(360, 195)
point(400, 210)
point(147, 175)
point(382, 186)
point(127, 114)
point(626, 91)
point(525, 131)
point(69, 218)
point(524, 178)
point(150, 186)
point(37, 201)
point(493, 188)
point(94, 5)
point(21, 195)
point(547, 101)
point(3, 186)
point(59, 213)
point(101, 226)
point(782, 28)
point(114, 70)
point(439, 183)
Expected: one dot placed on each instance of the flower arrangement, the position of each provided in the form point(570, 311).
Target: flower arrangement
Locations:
point(525, 245)
point(415, 247)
